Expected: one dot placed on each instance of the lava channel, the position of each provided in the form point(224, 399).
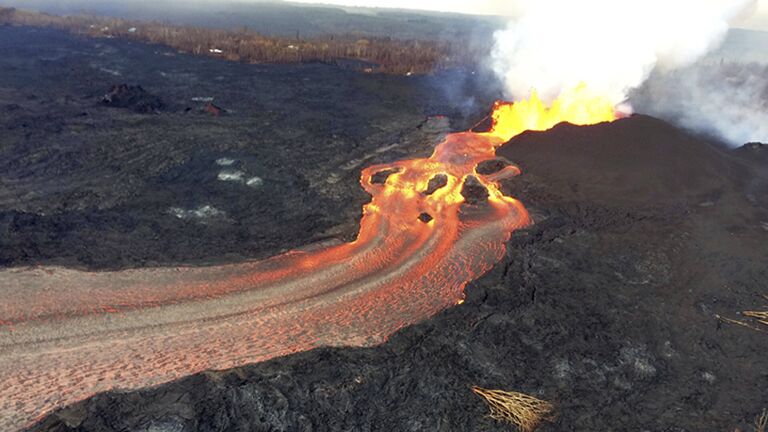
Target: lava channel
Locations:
point(432, 226)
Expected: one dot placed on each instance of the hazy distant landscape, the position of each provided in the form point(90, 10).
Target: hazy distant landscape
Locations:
point(365, 51)
point(276, 18)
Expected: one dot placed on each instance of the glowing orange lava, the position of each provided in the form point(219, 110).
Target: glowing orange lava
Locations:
point(66, 334)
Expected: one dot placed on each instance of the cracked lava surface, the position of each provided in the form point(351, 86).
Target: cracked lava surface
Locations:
point(67, 334)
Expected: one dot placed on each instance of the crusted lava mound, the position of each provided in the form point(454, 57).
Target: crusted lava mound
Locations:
point(637, 160)
point(754, 151)
point(134, 98)
point(607, 306)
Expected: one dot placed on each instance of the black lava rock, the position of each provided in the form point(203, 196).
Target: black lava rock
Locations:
point(473, 191)
point(132, 97)
point(382, 176)
point(491, 166)
point(435, 183)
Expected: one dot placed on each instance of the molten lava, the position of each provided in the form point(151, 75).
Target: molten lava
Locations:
point(578, 106)
point(432, 225)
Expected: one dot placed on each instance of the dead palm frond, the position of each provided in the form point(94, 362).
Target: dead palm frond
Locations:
point(524, 411)
point(761, 422)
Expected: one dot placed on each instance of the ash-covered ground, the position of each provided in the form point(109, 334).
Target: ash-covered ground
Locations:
point(151, 177)
point(606, 306)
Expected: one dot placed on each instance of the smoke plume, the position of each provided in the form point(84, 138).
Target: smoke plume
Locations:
point(728, 100)
point(612, 46)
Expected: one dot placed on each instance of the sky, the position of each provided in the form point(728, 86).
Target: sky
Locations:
point(758, 21)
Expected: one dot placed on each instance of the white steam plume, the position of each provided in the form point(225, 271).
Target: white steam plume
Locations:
point(609, 45)
point(725, 99)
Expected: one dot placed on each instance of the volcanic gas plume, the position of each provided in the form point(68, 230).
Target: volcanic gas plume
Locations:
point(432, 225)
point(611, 46)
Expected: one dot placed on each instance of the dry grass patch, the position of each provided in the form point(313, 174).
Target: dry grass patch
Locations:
point(524, 411)
point(761, 317)
point(761, 422)
point(759, 320)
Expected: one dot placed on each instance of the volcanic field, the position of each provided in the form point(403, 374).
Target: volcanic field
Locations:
point(137, 228)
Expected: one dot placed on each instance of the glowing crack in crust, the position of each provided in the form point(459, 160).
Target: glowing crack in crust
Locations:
point(67, 334)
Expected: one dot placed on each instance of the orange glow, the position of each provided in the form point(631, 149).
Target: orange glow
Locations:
point(578, 106)
point(458, 155)
point(67, 334)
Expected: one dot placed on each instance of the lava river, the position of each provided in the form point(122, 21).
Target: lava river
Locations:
point(432, 226)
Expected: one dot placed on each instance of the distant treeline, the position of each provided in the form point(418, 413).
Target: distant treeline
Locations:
point(387, 55)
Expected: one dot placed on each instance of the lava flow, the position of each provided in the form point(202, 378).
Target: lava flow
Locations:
point(432, 225)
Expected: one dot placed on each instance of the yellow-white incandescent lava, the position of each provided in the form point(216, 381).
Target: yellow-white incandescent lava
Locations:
point(67, 334)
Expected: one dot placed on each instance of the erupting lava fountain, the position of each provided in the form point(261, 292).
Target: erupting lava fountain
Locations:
point(432, 225)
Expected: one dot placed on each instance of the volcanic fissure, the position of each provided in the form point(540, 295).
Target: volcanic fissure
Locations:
point(432, 226)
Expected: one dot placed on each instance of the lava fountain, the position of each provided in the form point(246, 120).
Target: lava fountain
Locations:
point(432, 225)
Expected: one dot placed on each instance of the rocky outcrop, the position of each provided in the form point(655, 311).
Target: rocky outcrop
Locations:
point(491, 166)
point(438, 181)
point(212, 109)
point(473, 191)
point(425, 217)
point(382, 176)
point(134, 98)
